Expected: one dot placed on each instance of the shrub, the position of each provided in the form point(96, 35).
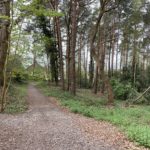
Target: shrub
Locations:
point(19, 76)
point(121, 89)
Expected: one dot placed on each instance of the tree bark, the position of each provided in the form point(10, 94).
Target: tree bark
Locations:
point(4, 45)
point(95, 86)
point(68, 60)
point(91, 70)
point(73, 46)
point(103, 10)
point(109, 61)
point(113, 49)
point(60, 53)
point(4, 36)
point(103, 48)
point(79, 61)
point(134, 58)
point(59, 43)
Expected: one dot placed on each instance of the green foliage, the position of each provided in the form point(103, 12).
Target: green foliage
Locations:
point(134, 121)
point(126, 74)
point(83, 81)
point(15, 66)
point(121, 90)
point(16, 102)
point(4, 17)
point(20, 76)
point(36, 8)
point(36, 72)
point(142, 77)
point(140, 134)
point(15, 63)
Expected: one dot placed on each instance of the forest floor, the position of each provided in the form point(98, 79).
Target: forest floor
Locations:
point(47, 126)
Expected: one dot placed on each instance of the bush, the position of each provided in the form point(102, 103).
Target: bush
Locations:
point(121, 90)
point(36, 77)
point(19, 76)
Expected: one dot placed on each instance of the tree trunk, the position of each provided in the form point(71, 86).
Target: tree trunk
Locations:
point(34, 63)
point(4, 36)
point(91, 70)
point(102, 63)
point(96, 27)
point(60, 52)
point(117, 55)
point(134, 59)
point(85, 66)
point(113, 49)
point(73, 46)
point(68, 60)
point(4, 45)
point(79, 62)
point(59, 43)
point(109, 61)
point(109, 91)
point(95, 86)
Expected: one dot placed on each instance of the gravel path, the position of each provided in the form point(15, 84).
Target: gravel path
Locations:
point(47, 127)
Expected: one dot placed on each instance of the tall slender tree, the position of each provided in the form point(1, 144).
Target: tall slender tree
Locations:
point(74, 13)
point(4, 35)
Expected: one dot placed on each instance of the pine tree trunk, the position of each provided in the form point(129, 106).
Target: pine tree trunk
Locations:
point(86, 67)
point(95, 86)
point(134, 59)
point(94, 54)
point(113, 49)
point(117, 54)
point(91, 70)
point(109, 61)
point(79, 62)
point(72, 47)
point(127, 51)
point(68, 60)
point(109, 91)
point(59, 43)
point(102, 63)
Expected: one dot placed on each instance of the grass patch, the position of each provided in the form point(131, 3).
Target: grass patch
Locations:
point(16, 102)
point(134, 121)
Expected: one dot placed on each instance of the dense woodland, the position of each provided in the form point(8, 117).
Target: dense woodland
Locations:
point(101, 45)
point(94, 55)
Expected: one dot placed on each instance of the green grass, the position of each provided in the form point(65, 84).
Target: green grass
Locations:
point(16, 102)
point(134, 121)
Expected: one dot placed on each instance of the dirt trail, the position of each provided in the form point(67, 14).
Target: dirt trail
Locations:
point(46, 127)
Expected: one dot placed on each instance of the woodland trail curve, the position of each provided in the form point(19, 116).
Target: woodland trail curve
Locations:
point(47, 127)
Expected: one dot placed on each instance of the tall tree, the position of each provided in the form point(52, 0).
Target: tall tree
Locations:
point(54, 6)
point(4, 35)
point(74, 13)
point(105, 6)
point(4, 46)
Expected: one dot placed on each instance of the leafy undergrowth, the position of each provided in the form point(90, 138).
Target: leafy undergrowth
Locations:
point(134, 121)
point(17, 99)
